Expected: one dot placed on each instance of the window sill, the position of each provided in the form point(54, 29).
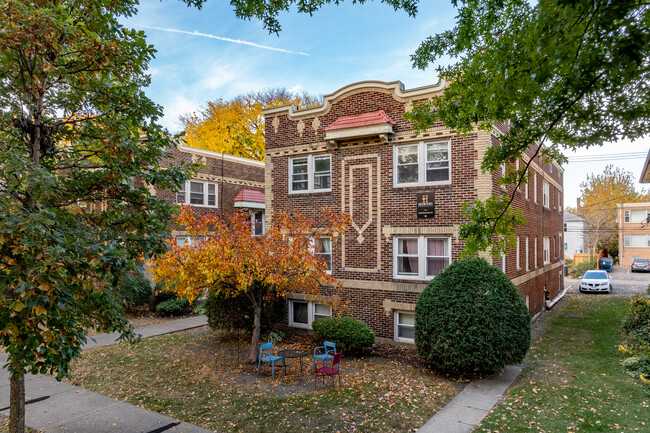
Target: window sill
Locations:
point(405, 340)
point(420, 185)
point(319, 191)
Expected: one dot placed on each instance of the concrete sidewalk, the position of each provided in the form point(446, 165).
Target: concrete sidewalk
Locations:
point(53, 406)
point(466, 411)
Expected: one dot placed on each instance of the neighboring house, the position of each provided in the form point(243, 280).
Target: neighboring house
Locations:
point(224, 183)
point(575, 235)
point(357, 153)
point(633, 232)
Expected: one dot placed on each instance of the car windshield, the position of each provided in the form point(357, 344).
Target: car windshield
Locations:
point(591, 275)
point(641, 262)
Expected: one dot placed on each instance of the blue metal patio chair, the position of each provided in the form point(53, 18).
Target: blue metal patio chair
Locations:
point(328, 348)
point(266, 355)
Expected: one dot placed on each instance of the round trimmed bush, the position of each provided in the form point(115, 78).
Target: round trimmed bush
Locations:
point(471, 320)
point(349, 334)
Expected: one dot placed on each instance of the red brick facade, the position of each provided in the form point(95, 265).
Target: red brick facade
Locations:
point(230, 174)
point(363, 183)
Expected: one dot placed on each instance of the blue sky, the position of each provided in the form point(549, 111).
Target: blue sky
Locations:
point(336, 46)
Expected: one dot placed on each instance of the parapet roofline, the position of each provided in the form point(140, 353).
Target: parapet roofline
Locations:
point(396, 87)
point(212, 154)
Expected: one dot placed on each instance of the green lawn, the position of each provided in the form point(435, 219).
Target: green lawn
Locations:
point(195, 377)
point(573, 382)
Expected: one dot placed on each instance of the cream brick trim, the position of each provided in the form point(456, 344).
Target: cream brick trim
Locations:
point(348, 165)
point(629, 205)
point(231, 180)
point(539, 170)
point(536, 273)
point(384, 285)
point(395, 88)
point(268, 190)
point(390, 306)
point(296, 150)
point(389, 231)
point(209, 153)
point(309, 298)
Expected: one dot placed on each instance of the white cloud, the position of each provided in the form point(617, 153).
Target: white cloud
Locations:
point(234, 41)
point(295, 89)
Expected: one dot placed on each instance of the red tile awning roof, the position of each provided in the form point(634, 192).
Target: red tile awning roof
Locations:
point(359, 120)
point(250, 195)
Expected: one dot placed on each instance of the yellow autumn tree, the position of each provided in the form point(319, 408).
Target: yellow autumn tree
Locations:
point(600, 195)
point(236, 127)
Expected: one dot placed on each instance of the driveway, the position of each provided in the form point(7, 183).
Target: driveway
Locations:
point(624, 282)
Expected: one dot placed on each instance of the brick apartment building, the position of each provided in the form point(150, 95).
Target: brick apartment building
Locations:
point(633, 232)
point(358, 154)
point(225, 183)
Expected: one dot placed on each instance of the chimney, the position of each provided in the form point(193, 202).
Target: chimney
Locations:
point(578, 205)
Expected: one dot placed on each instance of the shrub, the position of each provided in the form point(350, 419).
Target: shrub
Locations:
point(579, 270)
point(135, 290)
point(636, 344)
point(349, 334)
point(236, 312)
point(471, 320)
point(175, 307)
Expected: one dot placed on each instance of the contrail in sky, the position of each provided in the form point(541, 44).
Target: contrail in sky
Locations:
point(234, 41)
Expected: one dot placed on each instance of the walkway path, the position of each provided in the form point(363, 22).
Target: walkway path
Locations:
point(60, 407)
point(467, 409)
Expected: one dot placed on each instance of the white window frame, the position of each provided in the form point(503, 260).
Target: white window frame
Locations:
point(311, 173)
point(396, 326)
point(559, 202)
point(534, 187)
point(526, 190)
point(546, 194)
point(627, 240)
point(527, 254)
point(253, 222)
point(518, 258)
point(628, 216)
point(546, 252)
point(503, 263)
point(316, 253)
point(186, 192)
point(422, 257)
point(422, 164)
point(535, 254)
point(311, 312)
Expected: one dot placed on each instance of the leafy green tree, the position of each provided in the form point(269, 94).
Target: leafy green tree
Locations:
point(79, 152)
point(554, 74)
point(268, 11)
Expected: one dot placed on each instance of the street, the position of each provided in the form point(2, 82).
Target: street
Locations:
point(624, 282)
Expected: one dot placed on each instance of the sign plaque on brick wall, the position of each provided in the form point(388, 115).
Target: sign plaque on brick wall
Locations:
point(425, 205)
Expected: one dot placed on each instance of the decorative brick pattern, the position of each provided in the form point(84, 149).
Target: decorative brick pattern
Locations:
point(362, 171)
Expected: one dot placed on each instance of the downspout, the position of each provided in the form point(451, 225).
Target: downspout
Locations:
point(551, 303)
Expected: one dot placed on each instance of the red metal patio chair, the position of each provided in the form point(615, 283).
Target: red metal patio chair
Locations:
point(329, 368)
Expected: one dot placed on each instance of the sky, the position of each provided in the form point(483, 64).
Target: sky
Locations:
point(203, 55)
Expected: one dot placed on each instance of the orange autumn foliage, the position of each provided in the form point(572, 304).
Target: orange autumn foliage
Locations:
point(225, 259)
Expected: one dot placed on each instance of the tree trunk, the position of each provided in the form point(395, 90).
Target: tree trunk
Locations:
point(257, 329)
point(17, 405)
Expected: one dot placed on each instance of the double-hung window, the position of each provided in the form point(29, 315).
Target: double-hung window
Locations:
point(535, 187)
point(518, 258)
point(257, 223)
point(636, 216)
point(547, 250)
point(404, 326)
point(198, 193)
point(311, 173)
point(636, 241)
point(546, 194)
point(302, 313)
point(422, 164)
point(323, 251)
point(420, 258)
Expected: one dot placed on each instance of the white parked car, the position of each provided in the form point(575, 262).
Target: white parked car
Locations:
point(596, 281)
